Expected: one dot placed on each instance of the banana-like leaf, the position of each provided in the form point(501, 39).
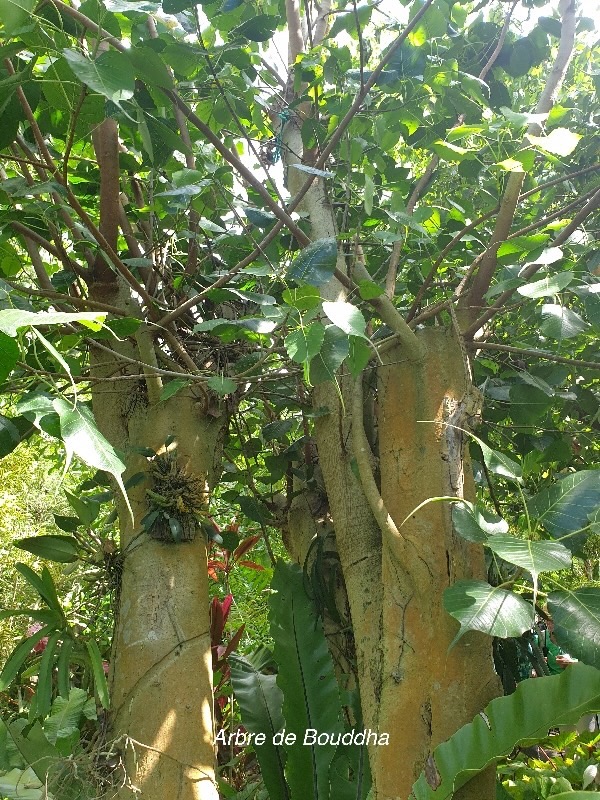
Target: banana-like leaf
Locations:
point(576, 616)
point(260, 700)
point(307, 680)
point(537, 705)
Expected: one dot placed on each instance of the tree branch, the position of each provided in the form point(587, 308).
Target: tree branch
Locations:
point(562, 237)
point(483, 277)
point(521, 351)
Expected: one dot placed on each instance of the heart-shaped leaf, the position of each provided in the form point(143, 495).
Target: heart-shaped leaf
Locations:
point(576, 616)
point(475, 523)
point(480, 607)
point(316, 263)
point(535, 557)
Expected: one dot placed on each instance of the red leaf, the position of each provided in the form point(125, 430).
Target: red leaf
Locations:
point(234, 641)
point(217, 621)
point(226, 607)
point(250, 565)
point(244, 546)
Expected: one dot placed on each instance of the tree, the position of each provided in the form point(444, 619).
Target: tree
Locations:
point(439, 185)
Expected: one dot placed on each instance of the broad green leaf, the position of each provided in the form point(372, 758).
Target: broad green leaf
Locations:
point(369, 290)
point(307, 679)
point(346, 317)
point(9, 435)
point(86, 508)
point(480, 607)
point(316, 263)
point(259, 28)
point(335, 348)
point(13, 319)
point(559, 142)
point(547, 286)
point(475, 523)
point(535, 557)
point(564, 507)
point(111, 74)
point(305, 343)
point(172, 387)
point(20, 654)
point(82, 437)
point(561, 323)
point(221, 385)
point(15, 14)
point(98, 672)
point(260, 701)
point(9, 355)
point(450, 152)
point(498, 463)
point(522, 119)
point(528, 713)
point(34, 747)
point(63, 549)
point(277, 430)
point(304, 298)
point(65, 715)
point(576, 615)
point(149, 67)
point(359, 355)
point(260, 218)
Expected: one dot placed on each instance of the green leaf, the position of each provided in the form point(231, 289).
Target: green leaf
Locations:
point(335, 348)
point(346, 317)
point(480, 607)
point(65, 715)
point(20, 654)
point(304, 298)
point(475, 523)
point(98, 672)
point(81, 436)
point(111, 74)
point(259, 28)
point(561, 323)
point(13, 319)
point(368, 290)
point(305, 343)
point(498, 463)
point(9, 435)
point(15, 14)
point(307, 679)
point(576, 615)
point(528, 713)
point(43, 584)
point(63, 667)
point(68, 524)
point(258, 217)
point(34, 747)
point(172, 387)
point(260, 701)
point(221, 385)
point(559, 142)
point(359, 355)
point(9, 355)
point(549, 285)
point(149, 66)
point(43, 695)
point(316, 263)
point(535, 557)
point(564, 507)
point(63, 549)
point(86, 508)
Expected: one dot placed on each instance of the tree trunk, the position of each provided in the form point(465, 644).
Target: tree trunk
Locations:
point(160, 672)
point(427, 690)
point(411, 686)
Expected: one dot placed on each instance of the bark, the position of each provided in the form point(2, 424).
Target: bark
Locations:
point(161, 675)
point(427, 691)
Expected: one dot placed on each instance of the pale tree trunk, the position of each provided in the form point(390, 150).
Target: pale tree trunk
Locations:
point(161, 674)
point(427, 690)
